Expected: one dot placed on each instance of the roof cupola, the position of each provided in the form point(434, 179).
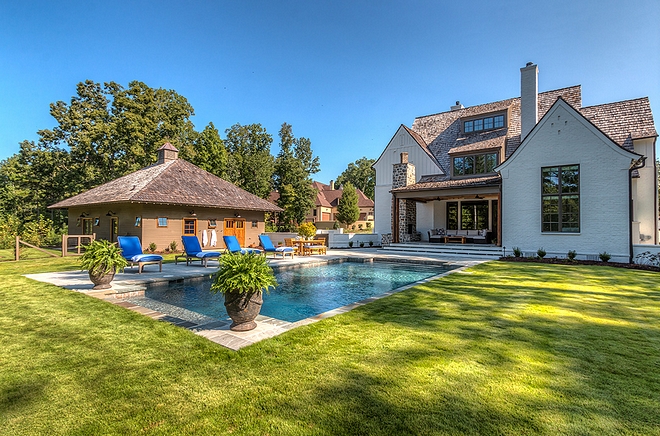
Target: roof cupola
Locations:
point(167, 153)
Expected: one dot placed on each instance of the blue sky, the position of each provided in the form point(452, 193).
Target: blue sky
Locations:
point(345, 74)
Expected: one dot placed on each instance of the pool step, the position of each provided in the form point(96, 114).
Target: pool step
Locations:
point(467, 250)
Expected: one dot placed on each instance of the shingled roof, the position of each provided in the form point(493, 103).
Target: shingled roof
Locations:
point(174, 182)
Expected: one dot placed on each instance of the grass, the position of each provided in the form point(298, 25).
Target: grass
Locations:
point(501, 348)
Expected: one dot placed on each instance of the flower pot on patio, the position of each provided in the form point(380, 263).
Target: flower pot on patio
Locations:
point(243, 308)
point(101, 279)
point(102, 259)
point(242, 278)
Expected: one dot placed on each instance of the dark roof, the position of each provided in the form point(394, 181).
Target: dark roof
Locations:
point(444, 182)
point(175, 182)
point(328, 197)
point(168, 146)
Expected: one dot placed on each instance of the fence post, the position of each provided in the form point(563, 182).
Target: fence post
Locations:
point(64, 245)
point(18, 248)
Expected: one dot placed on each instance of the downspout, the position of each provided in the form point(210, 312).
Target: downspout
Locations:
point(634, 165)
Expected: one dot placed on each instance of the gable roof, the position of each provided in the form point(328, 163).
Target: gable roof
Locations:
point(579, 115)
point(328, 197)
point(175, 182)
point(418, 140)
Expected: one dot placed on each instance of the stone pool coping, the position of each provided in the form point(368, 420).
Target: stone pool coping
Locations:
point(129, 285)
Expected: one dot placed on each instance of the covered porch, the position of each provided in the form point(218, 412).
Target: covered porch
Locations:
point(448, 211)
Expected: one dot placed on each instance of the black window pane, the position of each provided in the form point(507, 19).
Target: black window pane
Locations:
point(478, 125)
point(468, 126)
point(468, 165)
point(499, 121)
point(491, 162)
point(570, 179)
point(458, 166)
point(550, 180)
point(480, 164)
point(488, 123)
point(452, 216)
point(467, 216)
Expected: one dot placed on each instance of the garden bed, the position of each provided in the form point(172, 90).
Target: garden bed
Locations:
point(558, 261)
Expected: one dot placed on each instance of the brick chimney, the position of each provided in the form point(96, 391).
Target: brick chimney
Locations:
point(167, 153)
point(529, 98)
point(332, 185)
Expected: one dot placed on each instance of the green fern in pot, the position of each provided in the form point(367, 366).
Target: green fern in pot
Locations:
point(243, 278)
point(102, 260)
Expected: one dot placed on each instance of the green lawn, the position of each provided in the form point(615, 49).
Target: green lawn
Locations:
point(502, 348)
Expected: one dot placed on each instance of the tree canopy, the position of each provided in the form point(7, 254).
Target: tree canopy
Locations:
point(361, 175)
point(250, 164)
point(294, 165)
point(348, 210)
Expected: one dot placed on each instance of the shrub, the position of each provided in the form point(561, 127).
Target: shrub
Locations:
point(541, 253)
point(360, 226)
point(41, 232)
point(350, 244)
point(368, 225)
point(647, 258)
point(371, 243)
point(173, 246)
point(335, 225)
point(361, 244)
point(307, 230)
point(9, 229)
point(605, 256)
point(517, 252)
point(571, 254)
point(152, 247)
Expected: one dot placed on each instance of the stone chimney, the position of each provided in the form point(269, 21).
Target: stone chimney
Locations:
point(332, 185)
point(404, 211)
point(167, 153)
point(529, 98)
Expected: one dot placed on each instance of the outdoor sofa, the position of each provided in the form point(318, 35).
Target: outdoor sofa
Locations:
point(470, 236)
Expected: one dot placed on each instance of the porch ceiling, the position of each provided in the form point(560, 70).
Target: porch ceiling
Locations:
point(450, 194)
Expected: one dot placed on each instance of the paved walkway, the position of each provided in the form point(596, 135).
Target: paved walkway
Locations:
point(128, 291)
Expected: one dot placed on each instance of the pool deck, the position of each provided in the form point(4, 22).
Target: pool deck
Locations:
point(129, 286)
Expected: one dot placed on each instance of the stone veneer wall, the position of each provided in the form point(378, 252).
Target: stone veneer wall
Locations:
point(403, 174)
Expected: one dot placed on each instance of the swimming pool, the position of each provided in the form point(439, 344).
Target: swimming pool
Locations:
point(306, 291)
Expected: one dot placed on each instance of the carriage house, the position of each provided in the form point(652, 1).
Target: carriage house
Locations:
point(535, 171)
point(164, 201)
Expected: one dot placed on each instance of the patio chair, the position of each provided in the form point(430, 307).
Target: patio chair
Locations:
point(234, 247)
point(193, 251)
point(131, 250)
point(270, 248)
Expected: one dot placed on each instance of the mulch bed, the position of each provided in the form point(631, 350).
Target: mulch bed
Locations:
point(557, 261)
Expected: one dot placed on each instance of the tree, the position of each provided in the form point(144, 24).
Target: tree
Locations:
point(211, 154)
point(348, 210)
point(250, 164)
point(294, 165)
point(361, 175)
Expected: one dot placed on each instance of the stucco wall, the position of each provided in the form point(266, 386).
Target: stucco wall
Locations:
point(563, 138)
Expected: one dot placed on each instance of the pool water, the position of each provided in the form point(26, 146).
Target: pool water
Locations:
point(306, 291)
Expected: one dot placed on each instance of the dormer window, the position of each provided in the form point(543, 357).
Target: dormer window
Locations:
point(481, 124)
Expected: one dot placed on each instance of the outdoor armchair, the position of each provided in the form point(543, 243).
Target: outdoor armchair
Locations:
point(193, 251)
point(270, 248)
point(131, 250)
point(234, 247)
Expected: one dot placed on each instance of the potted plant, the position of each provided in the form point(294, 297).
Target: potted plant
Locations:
point(243, 278)
point(102, 259)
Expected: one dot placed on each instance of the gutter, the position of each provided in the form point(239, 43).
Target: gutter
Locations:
point(634, 165)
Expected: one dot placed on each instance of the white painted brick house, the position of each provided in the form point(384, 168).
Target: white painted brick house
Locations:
point(538, 171)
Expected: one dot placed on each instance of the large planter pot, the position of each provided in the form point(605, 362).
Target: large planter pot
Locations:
point(243, 308)
point(101, 279)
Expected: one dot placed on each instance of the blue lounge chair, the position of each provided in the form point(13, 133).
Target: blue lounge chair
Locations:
point(270, 248)
point(193, 251)
point(131, 250)
point(234, 247)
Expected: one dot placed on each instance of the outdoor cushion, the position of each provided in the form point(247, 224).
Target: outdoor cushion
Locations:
point(270, 248)
point(472, 232)
point(461, 232)
point(146, 258)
